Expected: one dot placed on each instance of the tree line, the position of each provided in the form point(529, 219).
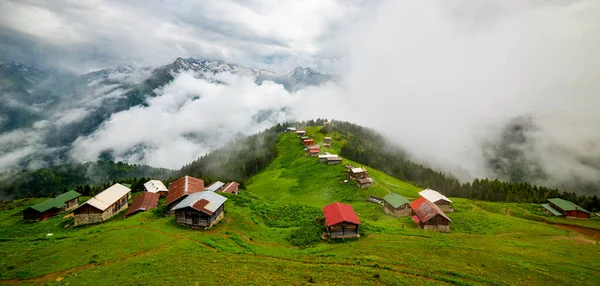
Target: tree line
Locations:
point(370, 148)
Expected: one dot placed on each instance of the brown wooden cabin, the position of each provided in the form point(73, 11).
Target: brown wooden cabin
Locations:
point(396, 205)
point(341, 221)
point(327, 140)
point(357, 173)
point(103, 206)
point(364, 182)
point(427, 215)
point(300, 133)
point(49, 208)
point(202, 209)
point(334, 160)
point(308, 142)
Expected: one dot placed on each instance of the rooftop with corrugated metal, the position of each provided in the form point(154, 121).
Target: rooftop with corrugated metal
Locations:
point(214, 186)
point(552, 210)
point(108, 197)
point(566, 205)
point(184, 186)
point(433, 196)
point(57, 202)
point(214, 201)
point(143, 202)
point(395, 200)
point(426, 210)
point(154, 186)
point(338, 212)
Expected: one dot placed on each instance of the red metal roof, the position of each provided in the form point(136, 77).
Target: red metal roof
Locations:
point(143, 202)
point(201, 204)
point(314, 147)
point(426, 210)
point(230, 187)
point(338, 212)
point(314, 151)
point(184, 186)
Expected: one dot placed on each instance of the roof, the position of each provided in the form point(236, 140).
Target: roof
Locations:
point(154, 186)
point(214, 186)
point(126, 185)
point(206, 202)
point(184, 186)
point(358, 170)
point(313, 151)
point(566, 205)
point(307, 140)
point(328, 156)
point(291, 128)
point(230, 187)
point(327, 138)
point(314, 147)
point(338, 212)
point(426, 210)
point(57, 202)
point(433, 196)
point(108, 197)
point(304, 137)
point(143, 202)
point(395, 200)
point(334, 158)
point(300, 131)
point(551, 209)
point(365, 180)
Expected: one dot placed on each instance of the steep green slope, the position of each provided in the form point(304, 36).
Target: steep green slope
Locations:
point(490, 243)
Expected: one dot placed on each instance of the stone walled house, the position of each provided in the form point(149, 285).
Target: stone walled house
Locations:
point(396, 205)
point(103, 206)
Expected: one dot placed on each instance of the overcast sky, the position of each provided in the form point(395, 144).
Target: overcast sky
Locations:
point(88, 35)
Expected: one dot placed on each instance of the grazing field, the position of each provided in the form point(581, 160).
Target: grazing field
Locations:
point(271, 234)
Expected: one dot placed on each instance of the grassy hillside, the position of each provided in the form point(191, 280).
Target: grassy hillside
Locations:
point(489, 243)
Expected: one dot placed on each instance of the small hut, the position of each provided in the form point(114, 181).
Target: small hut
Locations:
point(308, 142)
point(103, 206)
point(182, 188)
point(323, 158)
point(396, 205)
point(300, 133)
point(341, 221)
point(327, 140)
point(560, 207)
point(202, 209)
point(358, 173)
point(364, 182)
point(327, 145)
point(444, 203)
point(156, 186)
point(215, 186)
point(231, 188)
point(427, 215)
point(143, 202)
point(334, 160)
point(49, 208)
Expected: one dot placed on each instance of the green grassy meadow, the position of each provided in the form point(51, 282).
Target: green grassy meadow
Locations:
point(271, 235)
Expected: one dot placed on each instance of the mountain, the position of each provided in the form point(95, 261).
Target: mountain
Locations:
point(43, 112)
point(272, 232)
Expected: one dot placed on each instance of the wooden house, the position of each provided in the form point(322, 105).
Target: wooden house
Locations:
point(444, 203)
point(49, 208)
point(334, 160)
point(396, 205)
point(103, 206)
point(215, 186)
point(143, 202)
point(364, 182)
point(202, 209)
point(341, 221)
point(560, 207)
point(231, 188)
point(300, 133)
point(290, 129)
point(428, 215)
point(183, 187)
point(308, 142)
point(327, 140)
point(327, 145)
point(156, 186)
point(323, 158)
point(357, 173)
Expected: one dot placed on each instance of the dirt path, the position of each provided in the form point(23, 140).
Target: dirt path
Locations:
point(379, 184)
point(590, 232)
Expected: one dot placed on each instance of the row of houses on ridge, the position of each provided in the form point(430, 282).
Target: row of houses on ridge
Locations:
point(428, 211)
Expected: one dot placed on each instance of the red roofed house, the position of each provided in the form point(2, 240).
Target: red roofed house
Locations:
point(429, 216)
point(231, 188)
point(308, 142)
point(341, 221)
point(143, 202)
point(181, 188)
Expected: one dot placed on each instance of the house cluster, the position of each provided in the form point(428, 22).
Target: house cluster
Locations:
point(314, 150)
point(564, 208)
point(428, 211)
point(186, 198)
